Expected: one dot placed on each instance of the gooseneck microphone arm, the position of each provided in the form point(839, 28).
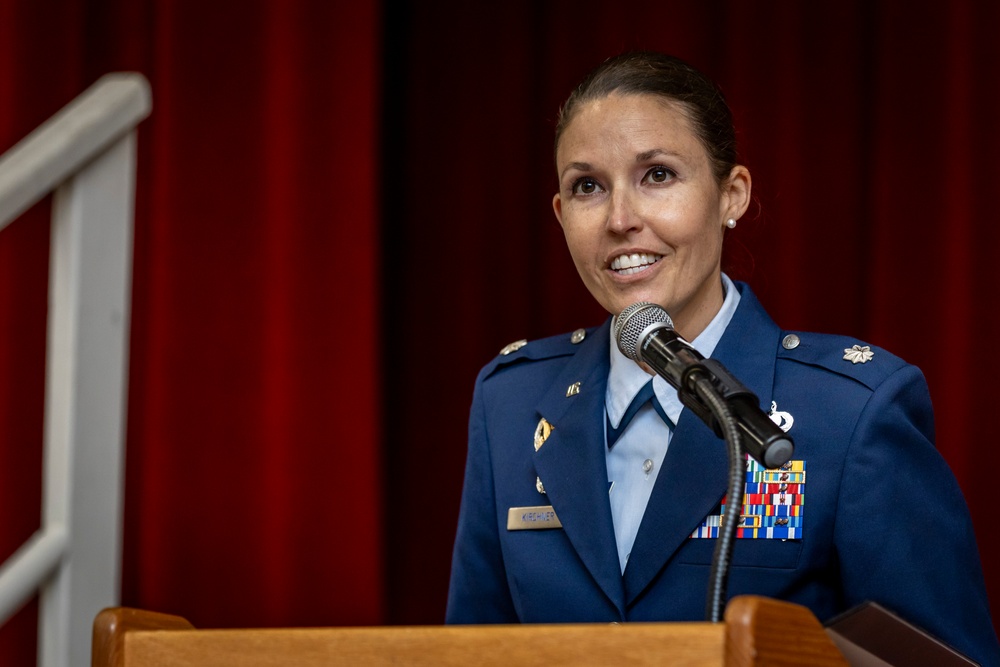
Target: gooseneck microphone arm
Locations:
point(644, 332)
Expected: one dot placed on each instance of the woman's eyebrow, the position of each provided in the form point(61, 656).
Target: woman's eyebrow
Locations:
point(655, 152)
point(579, 166)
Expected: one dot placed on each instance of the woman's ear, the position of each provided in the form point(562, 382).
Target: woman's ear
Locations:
point(557, 207)
point(736, 193)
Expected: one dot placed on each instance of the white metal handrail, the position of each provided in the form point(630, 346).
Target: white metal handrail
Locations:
point(86, 155)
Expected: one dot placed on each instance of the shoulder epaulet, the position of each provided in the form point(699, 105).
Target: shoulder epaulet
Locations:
point(846, 356)
point(535, 350)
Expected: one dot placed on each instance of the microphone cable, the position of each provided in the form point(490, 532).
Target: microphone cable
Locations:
point(718, 576)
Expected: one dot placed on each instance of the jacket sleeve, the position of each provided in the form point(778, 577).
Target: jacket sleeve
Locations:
point(903, 533)
point(478, 592)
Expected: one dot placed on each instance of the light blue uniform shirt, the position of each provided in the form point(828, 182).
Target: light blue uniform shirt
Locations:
point(636, 457)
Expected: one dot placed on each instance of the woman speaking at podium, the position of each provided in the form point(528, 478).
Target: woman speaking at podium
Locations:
point(592, 494)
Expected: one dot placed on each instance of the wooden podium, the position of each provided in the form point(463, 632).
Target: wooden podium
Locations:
point(757, 631)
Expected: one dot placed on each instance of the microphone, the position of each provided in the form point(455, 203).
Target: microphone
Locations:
point(644, 333)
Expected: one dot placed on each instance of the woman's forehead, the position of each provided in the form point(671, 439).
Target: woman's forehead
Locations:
point(633, 123)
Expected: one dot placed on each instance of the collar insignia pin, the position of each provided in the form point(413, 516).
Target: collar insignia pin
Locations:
point(573, 389)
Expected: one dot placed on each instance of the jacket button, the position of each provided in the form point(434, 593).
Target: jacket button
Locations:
point(790, 342)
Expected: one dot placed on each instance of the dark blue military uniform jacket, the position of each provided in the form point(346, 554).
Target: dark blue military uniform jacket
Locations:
point(882, 517)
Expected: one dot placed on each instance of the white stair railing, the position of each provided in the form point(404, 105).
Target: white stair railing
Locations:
point(86, 154)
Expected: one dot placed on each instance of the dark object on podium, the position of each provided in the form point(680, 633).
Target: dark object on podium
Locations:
point(872, 636)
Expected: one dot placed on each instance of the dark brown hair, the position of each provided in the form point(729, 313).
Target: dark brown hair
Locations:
point(651, 73)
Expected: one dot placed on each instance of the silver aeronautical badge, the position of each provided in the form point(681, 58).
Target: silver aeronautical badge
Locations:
point(858, 354)
point(783, 419)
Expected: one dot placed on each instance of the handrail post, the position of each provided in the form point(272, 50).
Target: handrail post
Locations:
point(85, 397)
point(86, 154)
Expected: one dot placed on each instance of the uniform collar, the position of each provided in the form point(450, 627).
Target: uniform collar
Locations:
point(626, 377)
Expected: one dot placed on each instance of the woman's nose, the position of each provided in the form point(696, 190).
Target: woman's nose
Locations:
point(622, 216)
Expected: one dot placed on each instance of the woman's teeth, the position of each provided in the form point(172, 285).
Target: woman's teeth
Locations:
point(626, 265)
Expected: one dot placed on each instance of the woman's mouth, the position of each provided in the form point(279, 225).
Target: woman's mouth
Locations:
point(626, 265)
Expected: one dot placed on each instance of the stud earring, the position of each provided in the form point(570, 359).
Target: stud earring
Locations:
point(731, 223)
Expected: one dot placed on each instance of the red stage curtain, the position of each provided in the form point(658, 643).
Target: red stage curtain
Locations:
point(23, 285)
point(319, 275)
point(253, 462)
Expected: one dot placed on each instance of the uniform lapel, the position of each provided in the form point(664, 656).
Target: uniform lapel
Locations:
point(693, 478)
point(572, 466)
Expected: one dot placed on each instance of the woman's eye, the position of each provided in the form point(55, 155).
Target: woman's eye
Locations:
point(585, 186)
point(659, 175)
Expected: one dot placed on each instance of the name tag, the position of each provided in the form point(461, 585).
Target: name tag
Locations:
point(532, 518)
